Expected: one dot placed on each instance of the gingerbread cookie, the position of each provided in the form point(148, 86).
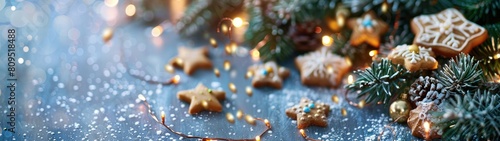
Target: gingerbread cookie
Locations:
point(367, 29)
point(413, 57)
point(322, 68)
point(268, 74)
point(308, 113)
point(202, 98)
point(419, 116)
point(448, 33)
point(192, 59)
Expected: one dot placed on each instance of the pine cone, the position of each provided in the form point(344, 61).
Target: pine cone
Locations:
point(304, 36)
point(427, 89)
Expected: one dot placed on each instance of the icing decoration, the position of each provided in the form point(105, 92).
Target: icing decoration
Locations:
point(367, 29)
point(307, 109)
point(447, 31)
point(306, 116)
point(320, 64)
point(413, 57)
point(270, 75)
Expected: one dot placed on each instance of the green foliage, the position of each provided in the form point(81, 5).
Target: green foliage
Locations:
point(203, 12)
point(487, 52)
point(410, 8)
point(266, 32)
point(473, 116)
point(461, 74)
point(479, 11)
point(382, 81)
point(306, 10)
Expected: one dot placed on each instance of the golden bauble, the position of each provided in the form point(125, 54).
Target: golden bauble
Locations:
point(269, 69)
point(414, 48)
point(400, 110)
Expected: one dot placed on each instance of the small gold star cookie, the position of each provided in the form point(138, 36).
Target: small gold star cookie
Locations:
point(448, 32)
point(308, 113)
point(192, 59)
point(202, 98)
point(367, 29)
point(413, 57)
point(268, 74)
point(322, 68)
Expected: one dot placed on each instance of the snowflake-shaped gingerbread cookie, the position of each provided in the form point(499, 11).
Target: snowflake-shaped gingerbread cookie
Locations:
point(413, 57)
point(448, 32)
point(322, 68)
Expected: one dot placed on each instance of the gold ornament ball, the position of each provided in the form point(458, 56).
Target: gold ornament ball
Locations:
point(400, 110)
point(269, 69)
point(414, 48)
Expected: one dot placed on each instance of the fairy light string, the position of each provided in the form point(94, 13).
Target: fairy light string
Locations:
point(162, 122)
point(229, 30)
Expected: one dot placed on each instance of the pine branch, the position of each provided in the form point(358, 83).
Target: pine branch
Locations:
point(267, 32)
point(410, 8)
point(488, 53)
point(475, 116)
point(340, 42)
point(203, 12)
point(461, 74)
point(382, 81)
point(306, 10)
point(479, 11)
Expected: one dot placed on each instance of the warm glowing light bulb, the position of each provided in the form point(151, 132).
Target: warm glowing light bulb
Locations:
point(163, 117)
point(497, 56)
point(111, 3)
point(237, 22)
point(327, 40)
point(340, 20)
point(227, 65)
point(176, 79)
point(130, 10)
point(384, 7)
point(350, 79)
point(361, 103)
point(302, 132)
point(157, 31)
point(141, 97)
point(255, 54)
point(427, 126)
point(373, 53)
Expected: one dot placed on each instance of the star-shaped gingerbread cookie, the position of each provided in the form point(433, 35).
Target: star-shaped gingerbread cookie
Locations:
point(192, 59)
point(268, 74)
point(367, 29)
point(322, 68)
point(308, 113)
point(413, 57)
point(202, 98)
point(448, 32)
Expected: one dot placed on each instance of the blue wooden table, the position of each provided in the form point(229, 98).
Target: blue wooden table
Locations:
point(72, 86)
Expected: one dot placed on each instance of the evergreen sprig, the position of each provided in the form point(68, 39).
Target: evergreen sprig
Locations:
point(488, 54)
point(461, 74)
point(201, 12)
point(382, 81)
point(267, 32)
point(477, 10)
point(473, 116)
point(409, 7)
point(307, 10)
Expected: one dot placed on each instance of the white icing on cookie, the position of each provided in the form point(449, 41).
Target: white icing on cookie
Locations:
point(449, 26)
point(403, 51)
point(316, 64)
